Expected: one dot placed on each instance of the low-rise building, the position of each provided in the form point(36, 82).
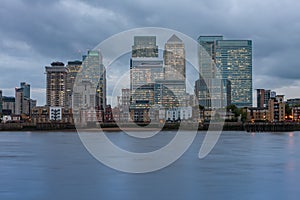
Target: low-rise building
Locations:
point(296, 114)
point(46, 114)
point(276, 107)
point(257, 114)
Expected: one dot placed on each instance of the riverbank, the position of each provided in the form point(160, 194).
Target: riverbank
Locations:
point(227, 126)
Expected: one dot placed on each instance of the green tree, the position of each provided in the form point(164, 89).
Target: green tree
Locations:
point(235, 110)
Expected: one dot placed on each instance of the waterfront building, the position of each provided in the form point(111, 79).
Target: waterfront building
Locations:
point(94, 70)
point(145, 69)
point(108, 114)
point(276, 107)
point(23, 102)
point(293, 102)
point(117, 114)
point(257, 114)
point(19, 101)
point(1, 103)
point(26, 89)
point(144, 47)
point(207, 56)
point(171, 91)
point(84, 101)
point(178, 114)
point(213, 92)
point(46, 114)
point(33, 103)
point(144, 72)
point(123, 106)
point(263, 97)
point(8, 105)
point(174, 59)
point(56, 76)
point(73, 68)
point(212, 89)
point(296, 113)
point(234, 60)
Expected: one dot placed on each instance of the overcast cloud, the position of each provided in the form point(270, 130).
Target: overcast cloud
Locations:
point(34, 33)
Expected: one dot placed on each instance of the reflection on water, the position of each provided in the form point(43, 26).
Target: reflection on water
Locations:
point(242, 165)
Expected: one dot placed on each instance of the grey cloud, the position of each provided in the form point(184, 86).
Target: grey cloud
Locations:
point(38, 32)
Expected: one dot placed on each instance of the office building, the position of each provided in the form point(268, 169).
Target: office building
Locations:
point(234, 60)
point(144, 46)
point(94, 70)
point(123, 106)
point(26, 89)
point(171, 91)
point(174, 59)
point(56, 76)
point(145, 69)
point(73, 68)
point(144, 72)
point(19, 101)
point(212, 90)
point(8, 105)
point(263, 96)
point(207, 56)
point(1, 103)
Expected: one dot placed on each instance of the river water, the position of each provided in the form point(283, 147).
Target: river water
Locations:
point(55, 165)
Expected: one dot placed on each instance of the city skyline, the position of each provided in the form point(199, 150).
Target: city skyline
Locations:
point(159, 53)
point(31, 38)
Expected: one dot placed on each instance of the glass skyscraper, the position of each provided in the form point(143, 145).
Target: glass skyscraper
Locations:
point(26, 88)
point(73, 68)
point(94, 71)
point(212, 90)
point(144, 46)
point(234, 60)
point(143, 74)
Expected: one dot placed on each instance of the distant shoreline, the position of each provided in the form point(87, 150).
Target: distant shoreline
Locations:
point(112, 127)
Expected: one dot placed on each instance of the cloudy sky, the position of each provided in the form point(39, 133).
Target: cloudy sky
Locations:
point(34, 33)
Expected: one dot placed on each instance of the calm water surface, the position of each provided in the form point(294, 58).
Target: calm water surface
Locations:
point(55, 165)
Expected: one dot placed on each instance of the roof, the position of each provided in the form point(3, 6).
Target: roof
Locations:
point(174, 39)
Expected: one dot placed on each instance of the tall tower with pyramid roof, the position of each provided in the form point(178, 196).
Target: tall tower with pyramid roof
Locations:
point(173, 86)
point(174, 59)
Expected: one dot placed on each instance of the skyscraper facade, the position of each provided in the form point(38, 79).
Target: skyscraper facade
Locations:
point(144, 46)
point(26, 89)
point(73, 68)
point(56, 76)
point(1, 104)
point(143, 74)
point(207, 55)
point(234, 60)
point(19, 98)
point(8, 105)
point(171, 91)
point(263, 96)
point(145, 69)
point(94, 70)
point(174, 59)
point(212, 90)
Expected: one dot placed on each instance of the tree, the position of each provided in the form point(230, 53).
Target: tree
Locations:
point(235, 110)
